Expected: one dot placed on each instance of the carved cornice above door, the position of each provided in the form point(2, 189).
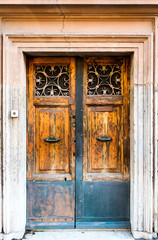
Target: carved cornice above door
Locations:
point(77, 11)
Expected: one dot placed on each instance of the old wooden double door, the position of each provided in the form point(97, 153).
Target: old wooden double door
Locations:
point(78, 143)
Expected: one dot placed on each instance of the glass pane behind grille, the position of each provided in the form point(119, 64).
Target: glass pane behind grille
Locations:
point(104, 80)
point(51, 80)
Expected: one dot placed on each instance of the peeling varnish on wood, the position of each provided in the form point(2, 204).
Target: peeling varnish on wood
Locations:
point(109, 115)
point(50, 116)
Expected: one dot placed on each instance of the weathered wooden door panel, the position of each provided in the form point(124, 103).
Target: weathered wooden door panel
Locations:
point(78, 143)
point(51, 145)
point(103, 186)
point(105, 204)
point(104, 123)
point(55, 157)
point(106, 119)
point(50, 204)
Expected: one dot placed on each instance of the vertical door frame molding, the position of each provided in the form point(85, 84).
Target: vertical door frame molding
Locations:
point(140, 46)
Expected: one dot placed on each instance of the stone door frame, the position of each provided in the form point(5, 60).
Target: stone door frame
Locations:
point(16, 47)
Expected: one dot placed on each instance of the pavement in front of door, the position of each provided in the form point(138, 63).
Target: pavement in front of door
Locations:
point(80, 235)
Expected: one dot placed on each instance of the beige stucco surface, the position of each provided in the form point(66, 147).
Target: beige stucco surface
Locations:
point(78, 26)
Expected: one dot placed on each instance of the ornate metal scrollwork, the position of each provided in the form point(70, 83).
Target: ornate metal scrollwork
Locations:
point(51, 80)
point(104, 80)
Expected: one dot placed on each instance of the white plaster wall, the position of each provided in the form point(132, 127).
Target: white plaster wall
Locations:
point(0, 124)
point(156, 127)
point(14, 158)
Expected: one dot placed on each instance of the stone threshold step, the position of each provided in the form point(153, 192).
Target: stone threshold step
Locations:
point(80, 235)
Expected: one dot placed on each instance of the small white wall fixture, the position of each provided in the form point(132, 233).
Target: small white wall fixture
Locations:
point(140, 46)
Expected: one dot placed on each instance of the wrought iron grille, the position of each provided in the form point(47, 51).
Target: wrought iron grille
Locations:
point(51, 80)
point(104, 80)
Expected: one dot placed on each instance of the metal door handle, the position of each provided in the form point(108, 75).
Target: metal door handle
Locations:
point(104, 138)
point(52, 139)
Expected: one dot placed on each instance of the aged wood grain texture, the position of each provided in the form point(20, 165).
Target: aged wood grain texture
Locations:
point(104, 157)
point(50, 202)
point(106, 115)
point(52, 157)
point(51, 116)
